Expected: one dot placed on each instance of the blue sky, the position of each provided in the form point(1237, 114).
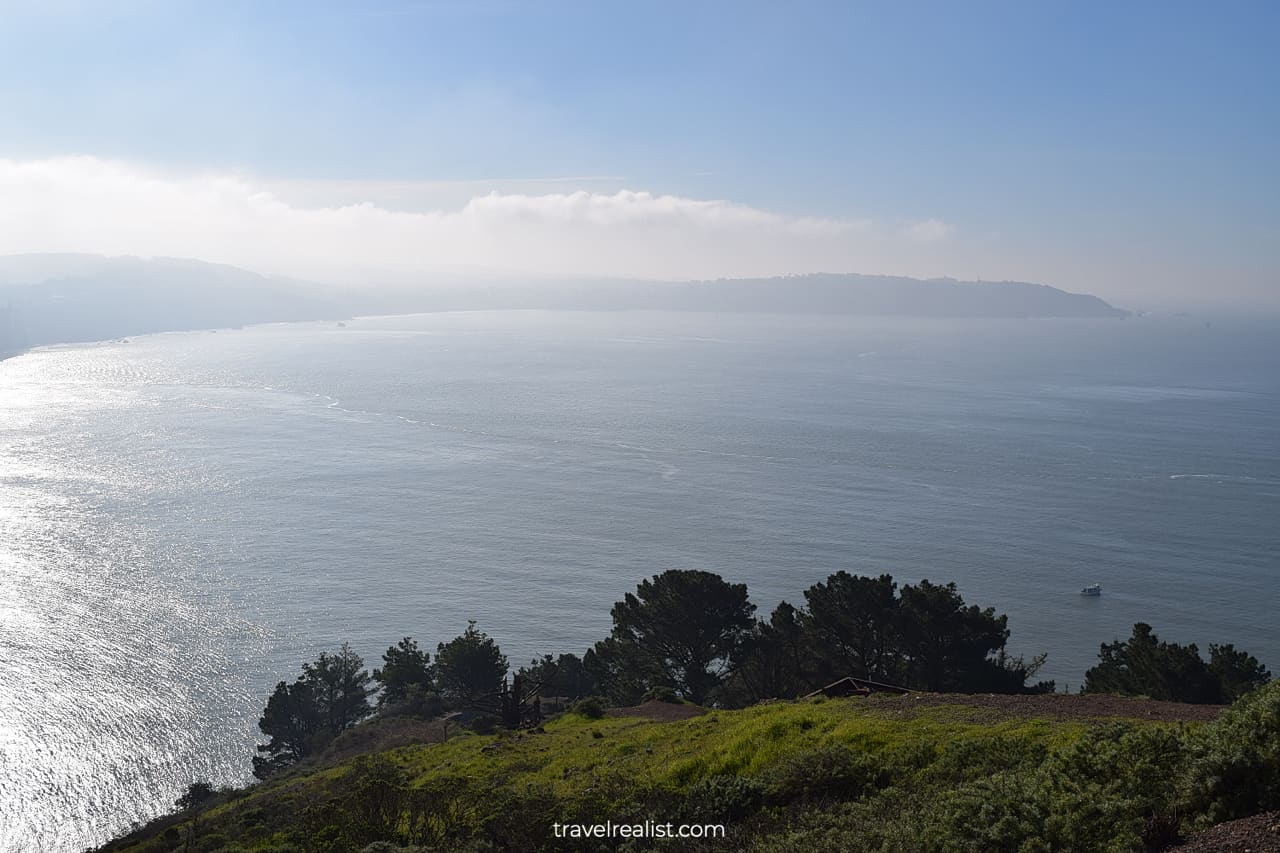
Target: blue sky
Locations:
point(1125, 149)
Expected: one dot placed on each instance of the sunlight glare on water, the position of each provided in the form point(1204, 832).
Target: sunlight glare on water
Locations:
point(118, 677)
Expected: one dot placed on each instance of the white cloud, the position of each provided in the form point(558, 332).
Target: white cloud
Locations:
point(85, 204)
point(930, 231)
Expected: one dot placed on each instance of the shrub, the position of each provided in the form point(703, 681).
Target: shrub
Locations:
point(996, 813)
point(591, 708)
point(1114, 789)
point(484, 724)
point(662, 693)
point(1235, 761)
point(826, 773)
point(973, 757)
point(723, 799)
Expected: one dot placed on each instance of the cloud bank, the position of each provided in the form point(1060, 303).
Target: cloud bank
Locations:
point(86, 204)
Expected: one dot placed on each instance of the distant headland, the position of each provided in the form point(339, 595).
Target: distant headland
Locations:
point(816, 293)
point(62, 298)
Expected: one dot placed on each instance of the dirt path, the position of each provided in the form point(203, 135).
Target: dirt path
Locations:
point(1257, 834)
point(662, 711)
point(1052, 706)
point(981, 707)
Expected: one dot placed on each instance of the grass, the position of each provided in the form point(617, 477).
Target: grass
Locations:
point(776, 754)
point(569, 754)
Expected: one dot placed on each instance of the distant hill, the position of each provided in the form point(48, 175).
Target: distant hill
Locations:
point(46, 299)
point(894, 295)
point(822, 293)
point(52, 298)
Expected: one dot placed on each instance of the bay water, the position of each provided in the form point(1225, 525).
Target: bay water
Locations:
point(186, 518)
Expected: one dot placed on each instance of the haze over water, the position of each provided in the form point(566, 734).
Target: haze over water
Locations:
point(186, 518)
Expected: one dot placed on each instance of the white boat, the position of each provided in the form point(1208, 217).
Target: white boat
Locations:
point(1092, 589)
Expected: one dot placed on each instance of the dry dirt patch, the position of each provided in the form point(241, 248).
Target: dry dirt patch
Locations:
point(1257, 834)
point(1050, 706)
point(662, 711)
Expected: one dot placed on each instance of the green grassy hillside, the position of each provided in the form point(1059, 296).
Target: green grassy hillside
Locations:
point(917, 772)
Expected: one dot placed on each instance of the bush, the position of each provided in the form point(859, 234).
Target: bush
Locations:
point(973, 757)
point(484, 724)
point(661, 693)
point(996, 813)
point(591, 708)
point(1114, 789)
point(827, 773)
point(1235, 762)
point(723, 799)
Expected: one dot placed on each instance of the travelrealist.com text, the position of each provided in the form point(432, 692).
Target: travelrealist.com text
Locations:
point(648, 829)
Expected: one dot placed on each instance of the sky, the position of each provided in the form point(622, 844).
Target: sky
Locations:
point(1126, 150)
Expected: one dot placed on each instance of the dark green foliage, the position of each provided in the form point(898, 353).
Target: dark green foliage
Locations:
point(416, 701)
point(215, 842)
point(591, 708)
point(521, 821)
point(291, 720)
point(946, 644)
point(375, 802)
point(686, 625)
point(331, 695)
point(880, 824)
point(973, 758)
point(621, 674)
point(660, 694)
point(196, 796)
point(1004, 673)
point(1117, 781)
point(376, 792)
point(406, 677)
point(1113, 790)
point(923, 637)
point(1144, 665)
point(827, 773)
point(1238, 672)
point(775, 660)
point(565, 675)
point(1235, 765)
point(722, 799)
point(484, 724)
point(470, 668)
point(1000, 813)
point(854, 627)
point(340, 684)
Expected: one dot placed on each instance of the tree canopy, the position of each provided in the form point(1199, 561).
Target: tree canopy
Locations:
point(683, 626)
point(946, 645)
point(565, 675)
point(775, 660)
point(922, 637)
point(406, 677)
point(470, 667)
point(1145, 665)
point(855, 626)
point(330, 696)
